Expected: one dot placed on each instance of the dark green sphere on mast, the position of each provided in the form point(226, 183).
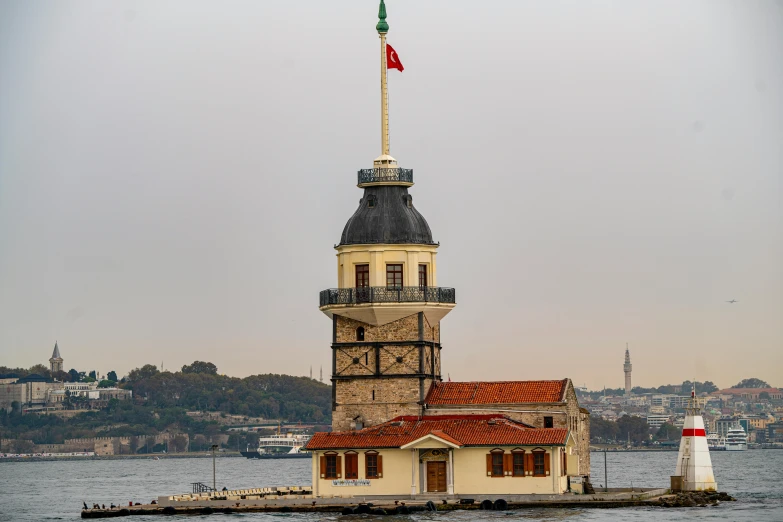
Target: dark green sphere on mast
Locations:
point(382, 26)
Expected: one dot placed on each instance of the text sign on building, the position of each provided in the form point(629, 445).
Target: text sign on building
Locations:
point(351, 482)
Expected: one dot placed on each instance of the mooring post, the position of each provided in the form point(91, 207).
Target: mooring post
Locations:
point(606, 476)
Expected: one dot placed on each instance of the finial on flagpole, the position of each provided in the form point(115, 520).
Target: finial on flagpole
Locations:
point(382, 26)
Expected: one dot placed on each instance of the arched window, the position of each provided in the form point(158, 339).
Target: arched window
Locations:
point(495, 463)
point(373, 465)
point(360, 333)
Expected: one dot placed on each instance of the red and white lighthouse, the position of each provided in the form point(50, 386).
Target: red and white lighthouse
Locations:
point(693, 461)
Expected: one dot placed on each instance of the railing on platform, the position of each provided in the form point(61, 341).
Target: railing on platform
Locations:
point(200, 487)
point(384, 294)
point(385, 175)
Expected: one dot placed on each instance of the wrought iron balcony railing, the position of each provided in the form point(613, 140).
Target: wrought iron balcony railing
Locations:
point(385, 175)
point(383, 294)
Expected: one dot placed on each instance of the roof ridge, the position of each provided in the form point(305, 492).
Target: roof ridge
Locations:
point(500, 382)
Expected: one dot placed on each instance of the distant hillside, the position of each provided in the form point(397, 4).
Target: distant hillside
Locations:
point(198, 387)
point(161, 401)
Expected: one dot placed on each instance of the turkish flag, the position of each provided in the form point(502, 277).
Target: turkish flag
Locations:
point(392, 60)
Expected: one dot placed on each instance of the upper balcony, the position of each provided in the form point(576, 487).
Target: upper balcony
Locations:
point(384, 294)
point(385, 176)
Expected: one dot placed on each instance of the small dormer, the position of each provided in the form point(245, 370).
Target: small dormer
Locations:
point(385, 171)
point(384, 161)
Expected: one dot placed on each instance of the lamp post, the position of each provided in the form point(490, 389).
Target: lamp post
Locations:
point(214, 482)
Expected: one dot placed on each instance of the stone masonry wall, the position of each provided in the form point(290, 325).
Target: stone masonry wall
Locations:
point(375, 400)
point(393, 397)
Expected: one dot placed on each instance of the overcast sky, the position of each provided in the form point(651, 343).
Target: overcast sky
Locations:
point(174, 176)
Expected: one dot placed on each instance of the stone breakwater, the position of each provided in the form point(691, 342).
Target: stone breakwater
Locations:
point(695, 499)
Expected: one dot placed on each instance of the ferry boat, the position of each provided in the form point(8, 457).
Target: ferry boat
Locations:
point(715, 442)
point(736, 439)
point(280, 446)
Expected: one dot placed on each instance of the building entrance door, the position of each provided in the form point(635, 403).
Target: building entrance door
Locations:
point(436, 477)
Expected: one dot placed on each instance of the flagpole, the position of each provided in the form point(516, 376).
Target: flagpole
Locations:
point(382, 27)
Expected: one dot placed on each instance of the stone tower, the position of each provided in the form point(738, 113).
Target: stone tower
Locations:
point(55, 361)
point(387, 307)
point(627, 370)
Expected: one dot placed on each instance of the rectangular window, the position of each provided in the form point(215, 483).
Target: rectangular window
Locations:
point(539, 464)
point(519, 464)
point(351, 466)
point(497, 464)
point(362, 276)
point(422, 276)
point(548, 422)
point(331, 466)
point(373, 465)
point(394, 276)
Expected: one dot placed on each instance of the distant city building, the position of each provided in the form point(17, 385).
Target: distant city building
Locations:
point(35, 393)
point(750, 393)
point(56, 362)
point(775, 432)
point(723, 424)
point(657, 420)
point(627, 370)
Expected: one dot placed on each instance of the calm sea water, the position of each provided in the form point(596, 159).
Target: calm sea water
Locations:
point(55, 490)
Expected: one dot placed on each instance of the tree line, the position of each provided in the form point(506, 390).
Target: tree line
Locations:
point(670, 389)
point(161, 401)
point(631, 429)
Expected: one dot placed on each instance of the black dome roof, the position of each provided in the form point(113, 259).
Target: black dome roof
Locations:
point(386, 215)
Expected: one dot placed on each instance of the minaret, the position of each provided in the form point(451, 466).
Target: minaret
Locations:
point(387, 307)
point(627, 370)
point(55, 361)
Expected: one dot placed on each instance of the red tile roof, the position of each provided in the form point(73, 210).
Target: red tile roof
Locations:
point(496, 392)
point(465, 430)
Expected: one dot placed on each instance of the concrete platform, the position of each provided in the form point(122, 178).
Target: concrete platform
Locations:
point(290, 503)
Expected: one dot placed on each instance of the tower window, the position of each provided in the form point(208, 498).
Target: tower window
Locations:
point(394, 276)
point(371, 201)
point(422, 276)
point(549, 422)
point(373, 395)
point(409, 201)
point(362, 276)
point(360, 334)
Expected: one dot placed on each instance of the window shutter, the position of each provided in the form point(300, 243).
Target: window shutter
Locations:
point(351, 466)
point(380, 466)
point(508, 464)
point(322, 468)
point(565, 463)
point(489, 464)
point(547, 464)
point(339, 466)
point(528, 464)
